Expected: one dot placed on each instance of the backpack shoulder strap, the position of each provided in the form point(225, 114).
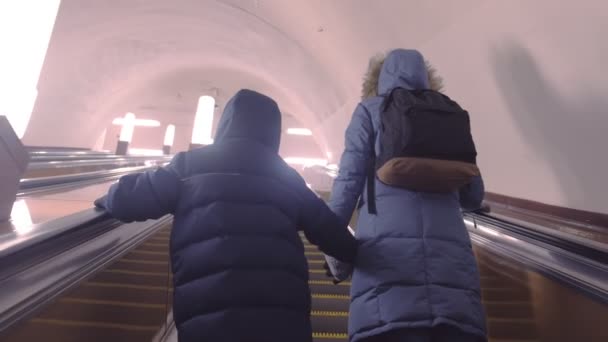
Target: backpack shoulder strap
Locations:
point(371, 167)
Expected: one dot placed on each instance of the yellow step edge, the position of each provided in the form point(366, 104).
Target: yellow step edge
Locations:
point(322, 335)
point(94, 324)
point(112, 303)
point(316, 271)
point(330, 296)
point(317, 313)
point(328, 282)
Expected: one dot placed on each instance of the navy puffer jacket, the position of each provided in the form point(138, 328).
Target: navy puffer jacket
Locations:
point(240, 273)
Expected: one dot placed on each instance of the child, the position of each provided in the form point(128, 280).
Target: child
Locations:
point(239, 268)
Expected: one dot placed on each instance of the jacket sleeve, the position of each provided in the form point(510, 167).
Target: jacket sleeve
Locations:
point(323, 228)
point(471, 195)
point(354, 163)
point(147, 195)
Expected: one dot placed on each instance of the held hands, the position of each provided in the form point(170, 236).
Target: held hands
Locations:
point(337, 270)
point(328, 274)
point(100, 203)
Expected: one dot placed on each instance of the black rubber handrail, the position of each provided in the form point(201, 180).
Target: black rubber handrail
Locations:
point(30, 185)
point(571, 246)
point(32, 275)
point(13, 242)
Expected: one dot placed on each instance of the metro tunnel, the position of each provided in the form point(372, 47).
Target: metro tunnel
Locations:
point(92, 91)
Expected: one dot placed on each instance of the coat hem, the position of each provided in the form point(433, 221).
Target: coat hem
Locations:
point(358, 336)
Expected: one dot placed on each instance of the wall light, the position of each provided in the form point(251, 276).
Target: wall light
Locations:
point(138, 122)
point(128, 126)
point(126, 134)
point(145, 152)
point(299, 131)
point(169, 138)
point(305, 161)
point(169, 135)
point(203, 121)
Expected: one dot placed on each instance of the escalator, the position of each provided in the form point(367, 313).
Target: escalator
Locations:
point(129, 298)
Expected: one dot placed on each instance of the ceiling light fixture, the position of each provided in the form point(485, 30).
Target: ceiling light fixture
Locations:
point(138, 122)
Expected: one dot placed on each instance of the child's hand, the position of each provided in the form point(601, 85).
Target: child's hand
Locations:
point(101, 202)
point(328, 273)
point(337, 269)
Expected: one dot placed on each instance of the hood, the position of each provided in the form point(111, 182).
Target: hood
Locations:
point(253, 116)
point(400, 68)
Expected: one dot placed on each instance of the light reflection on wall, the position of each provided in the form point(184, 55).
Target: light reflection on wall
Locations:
point(21, 218)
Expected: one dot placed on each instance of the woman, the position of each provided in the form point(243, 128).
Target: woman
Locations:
point(415, 278)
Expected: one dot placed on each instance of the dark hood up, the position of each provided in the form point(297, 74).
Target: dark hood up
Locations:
point(253, 116)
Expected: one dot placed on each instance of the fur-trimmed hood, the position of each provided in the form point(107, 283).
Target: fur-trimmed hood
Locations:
point(399, 68)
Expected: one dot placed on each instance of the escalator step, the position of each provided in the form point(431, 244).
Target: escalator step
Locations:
point(329, 324)
point(88, 310)
point(522, 309)
point(505, 294)
point(326, 302)
point(512, 328)
point(152, 294)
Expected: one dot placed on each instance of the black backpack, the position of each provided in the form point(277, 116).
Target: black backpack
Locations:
point(425, 144)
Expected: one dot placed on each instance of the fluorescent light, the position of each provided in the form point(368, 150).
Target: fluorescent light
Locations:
point(169, 135)
point(299, 131)
point(203, 121)
point(138, 122)
point(305, 161)
point(128, 126)
point(145, 152)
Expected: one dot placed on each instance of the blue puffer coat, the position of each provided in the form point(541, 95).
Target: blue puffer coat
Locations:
point(415, 267)
point(240, 273)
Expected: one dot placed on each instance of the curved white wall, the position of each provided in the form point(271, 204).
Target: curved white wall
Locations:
point(531, 73)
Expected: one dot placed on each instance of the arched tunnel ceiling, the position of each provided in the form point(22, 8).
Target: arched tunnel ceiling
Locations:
point(526, 70)
point(308, 55)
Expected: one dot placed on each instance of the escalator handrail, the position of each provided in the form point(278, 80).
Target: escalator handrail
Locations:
point(55, 163)
point(13, 242)
point(39, 279)
point(28, 184)
point(587, 275)
point(596, 252)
